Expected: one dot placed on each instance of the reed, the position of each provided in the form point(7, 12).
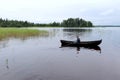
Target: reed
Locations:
point(20, 33)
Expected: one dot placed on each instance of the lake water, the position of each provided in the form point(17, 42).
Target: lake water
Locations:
point(42, 58)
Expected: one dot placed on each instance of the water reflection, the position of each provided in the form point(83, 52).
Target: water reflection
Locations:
point(3, 44)
point(42, 59)
point(7, 66)
point(53, 32)
point(5, 40)
point(96, 48)
point(78, 50)
point(77, 30)
point(74, 32)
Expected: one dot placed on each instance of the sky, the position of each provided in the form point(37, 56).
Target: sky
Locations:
point(99, 12)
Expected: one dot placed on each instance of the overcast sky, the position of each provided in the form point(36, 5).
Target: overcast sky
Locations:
point(100, 12)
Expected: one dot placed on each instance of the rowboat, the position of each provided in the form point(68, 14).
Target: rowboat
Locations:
point(81, 44)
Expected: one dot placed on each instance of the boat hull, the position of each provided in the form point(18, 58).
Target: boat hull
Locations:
point(81, 44)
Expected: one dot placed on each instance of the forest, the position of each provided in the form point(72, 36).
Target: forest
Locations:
point(70, 22)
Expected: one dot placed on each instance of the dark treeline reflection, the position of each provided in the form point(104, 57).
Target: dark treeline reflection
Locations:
point(74, 32)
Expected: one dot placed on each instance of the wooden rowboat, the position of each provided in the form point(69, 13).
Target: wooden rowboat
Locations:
point(81, 44)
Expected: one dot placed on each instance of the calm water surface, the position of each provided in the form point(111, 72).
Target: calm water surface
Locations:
point(41, 58)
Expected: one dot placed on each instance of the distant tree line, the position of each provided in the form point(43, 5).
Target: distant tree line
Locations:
point(14, 23)
point(70, 22)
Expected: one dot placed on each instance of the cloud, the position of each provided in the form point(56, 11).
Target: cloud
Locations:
point(57, 10)
point(107, 12)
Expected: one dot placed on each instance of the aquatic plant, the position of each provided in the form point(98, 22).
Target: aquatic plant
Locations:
point(6, 33)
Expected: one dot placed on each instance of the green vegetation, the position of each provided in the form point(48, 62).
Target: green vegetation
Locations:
point(14, 23)
point(70, 22)
point(76, 23)
point(20, 33)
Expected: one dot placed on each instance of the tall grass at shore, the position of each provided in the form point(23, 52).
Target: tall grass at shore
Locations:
point(20, 33)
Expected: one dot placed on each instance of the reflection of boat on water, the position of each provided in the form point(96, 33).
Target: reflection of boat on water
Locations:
point(81, 44)
point(94, 48)
point(97, 48)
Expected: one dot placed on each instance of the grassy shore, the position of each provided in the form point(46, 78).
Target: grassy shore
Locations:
point(20, 33)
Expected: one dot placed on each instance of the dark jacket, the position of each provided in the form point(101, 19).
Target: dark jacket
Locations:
point(78, 40)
